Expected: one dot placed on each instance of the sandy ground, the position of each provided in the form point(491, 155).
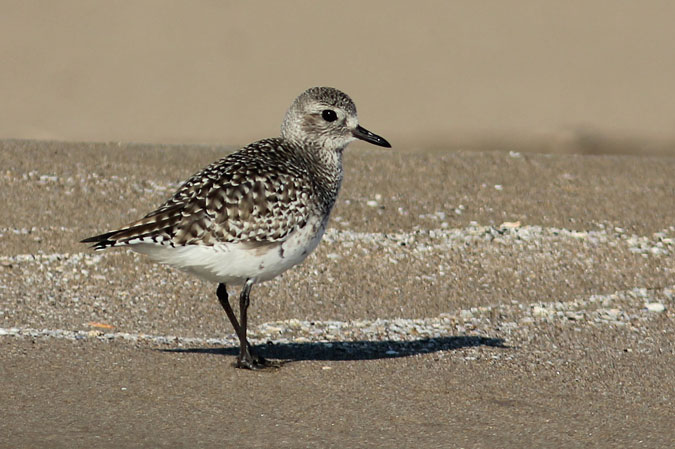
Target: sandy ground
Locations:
point(459, 299)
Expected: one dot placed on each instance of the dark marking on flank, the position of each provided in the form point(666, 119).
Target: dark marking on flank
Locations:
point(261, 248)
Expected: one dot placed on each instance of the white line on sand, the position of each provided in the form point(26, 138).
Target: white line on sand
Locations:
point(659, 243)
point(621, 308)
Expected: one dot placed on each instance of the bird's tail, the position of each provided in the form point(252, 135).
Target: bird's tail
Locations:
point(151, 229)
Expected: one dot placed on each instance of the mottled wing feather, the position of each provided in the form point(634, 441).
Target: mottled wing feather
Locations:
point(253, 195)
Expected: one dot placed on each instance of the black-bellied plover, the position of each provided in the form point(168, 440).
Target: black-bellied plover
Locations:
point(257, 212)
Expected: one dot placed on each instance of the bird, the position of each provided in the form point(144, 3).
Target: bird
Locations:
point(253, 214)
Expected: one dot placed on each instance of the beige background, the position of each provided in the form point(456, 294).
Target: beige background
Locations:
point(586, 76)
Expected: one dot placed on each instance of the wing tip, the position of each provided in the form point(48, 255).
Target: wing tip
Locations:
point(101, 241)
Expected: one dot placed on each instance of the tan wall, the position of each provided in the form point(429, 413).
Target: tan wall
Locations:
point(426, 73)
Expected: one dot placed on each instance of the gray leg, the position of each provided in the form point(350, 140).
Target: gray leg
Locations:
point(247, 359)
point(225, 303)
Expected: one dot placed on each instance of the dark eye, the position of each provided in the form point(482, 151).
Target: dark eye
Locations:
point(329, 115)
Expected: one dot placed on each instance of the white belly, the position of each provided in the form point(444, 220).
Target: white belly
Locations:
point(234, 263)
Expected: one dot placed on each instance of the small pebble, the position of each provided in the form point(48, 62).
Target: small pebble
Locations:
point(656, 307)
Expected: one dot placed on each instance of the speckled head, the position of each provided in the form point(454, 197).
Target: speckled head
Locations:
point(325, 117)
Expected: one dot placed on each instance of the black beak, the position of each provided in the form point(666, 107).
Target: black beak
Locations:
point(364, 134)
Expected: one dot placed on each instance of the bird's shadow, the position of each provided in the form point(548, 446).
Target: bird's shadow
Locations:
point(353, 350)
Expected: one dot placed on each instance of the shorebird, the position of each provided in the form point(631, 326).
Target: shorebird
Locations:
point(257, 212)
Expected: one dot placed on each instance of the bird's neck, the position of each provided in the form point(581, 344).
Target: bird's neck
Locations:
point(325, 170)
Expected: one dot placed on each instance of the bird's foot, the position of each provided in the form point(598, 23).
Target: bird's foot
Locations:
point(256, 362)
